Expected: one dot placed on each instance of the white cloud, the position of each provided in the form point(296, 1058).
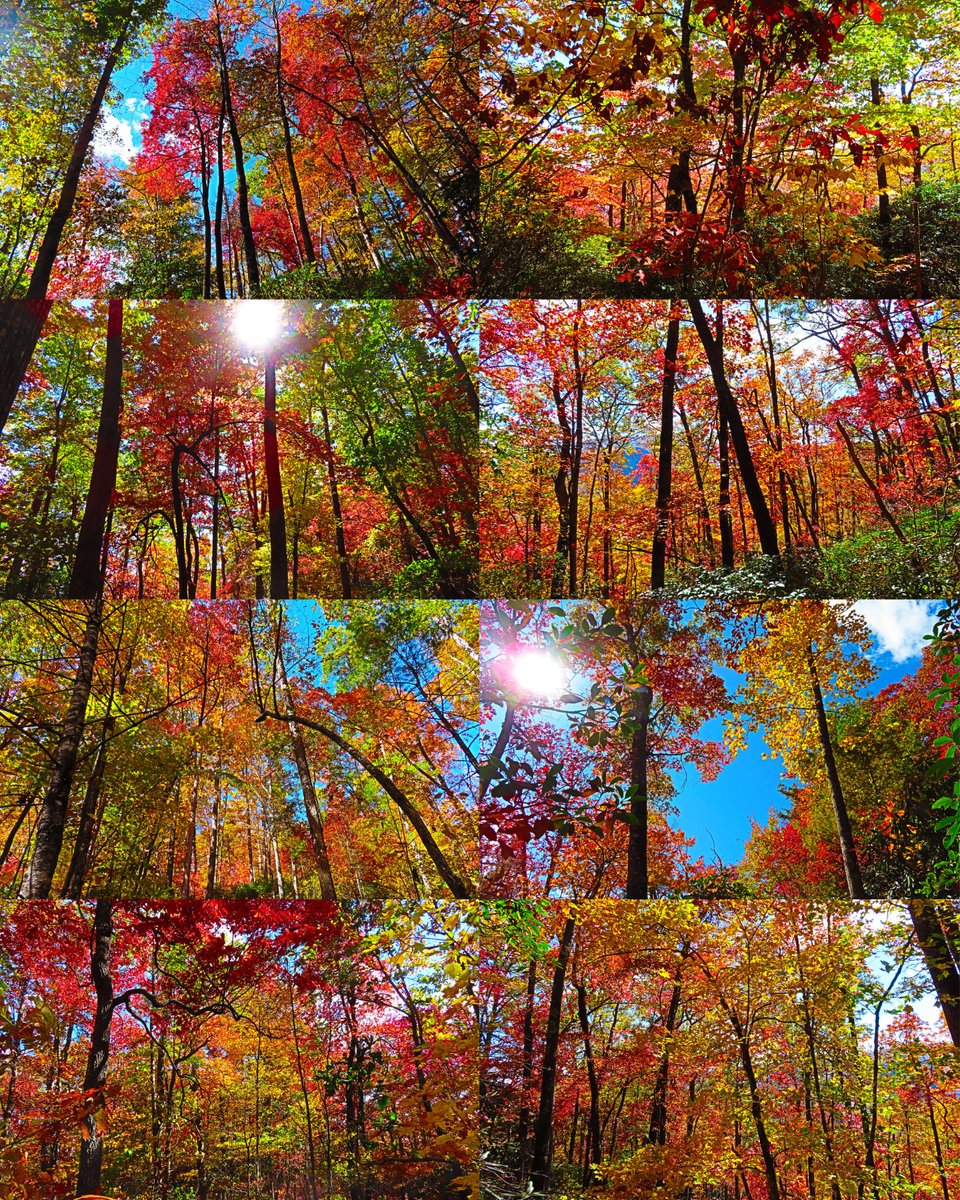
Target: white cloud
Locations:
point(899, 626)
point(114, 138)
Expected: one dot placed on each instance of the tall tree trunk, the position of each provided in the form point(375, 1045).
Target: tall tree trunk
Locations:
point(279, 568)
point(848, 850)
point(523, 1118)
point(305, 1093)
point(458, 887)
point(658, 557)
point(205, 174)
point(243, 191)
point(50, 245)
point(713, 347)
point(934, 943)
point(543, 1128)
point(756, 1108)
point(883, 193)
point(594, 1156)
point(308, 250)
point(86, 580)
point(21, 323)
point(576, 456)
point(638, 879)
point(562, 491)
point(218, 210)
point(95, 1077)
point(87, 826)
point(725, 515)
point(48, 840)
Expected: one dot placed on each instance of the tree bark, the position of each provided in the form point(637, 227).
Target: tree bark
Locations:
point(50, 245)
point(342, 561)
point(87, 578)
point(328, 890)
point(243, 191)
point(459, 889)
point(48, 840)
point(658, 557)
point(848, 850)
point(935, 945)
point(279, 568)
point(308, 250)
point(543, 1127)
point(595, 1151)
point(95, 1077)
point(713, 348)
point(21, 323)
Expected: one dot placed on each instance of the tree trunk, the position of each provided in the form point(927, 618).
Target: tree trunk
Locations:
point(562, 491)
point(543, 1127)
point(523, 1119)
point(95, 1077)
point(658, 557)
point(594, 1156)
point(218, 211)
point(243, 192)
point(883, 193)
point(713, 347)
point(48, 840)
point(934, 943)
point(279, 569)
point(21, 323)
point(308, 250)
point(87, 578)
point(638, 880)
point(328, 890)
point(50, 245)
point(756, 1108)
point(458, 887)
point(342, 560)
point(848, 850)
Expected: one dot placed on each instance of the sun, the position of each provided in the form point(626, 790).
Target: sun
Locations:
point(256, 323)
point(539, 673)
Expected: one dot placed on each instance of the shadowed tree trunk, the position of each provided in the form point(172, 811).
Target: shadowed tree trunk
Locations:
point(594, 1156)
point(243, 191)
point(342, 561)
point(543, 1128)
point(50, 245)
point(308, 250)
point(279, 568)
point(713, 348)
point(95, 1076)
point(658, 557)
point(48, 840)
point(21, 323)
point(848, 850)
point(314, 820)
point(941, 962)
point(86, 581)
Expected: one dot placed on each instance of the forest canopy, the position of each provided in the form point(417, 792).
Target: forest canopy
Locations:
point(252, 448)
point(203, 1050)
point(236, 750)
point(721, 147)
point(609, 733)
point(719, 449)
point(767, 1049)
point(236, 148)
